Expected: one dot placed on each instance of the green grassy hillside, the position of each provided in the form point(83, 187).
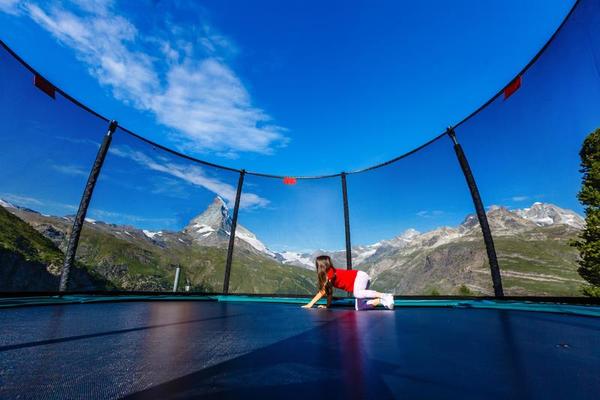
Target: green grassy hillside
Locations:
point(19, 237)
point(536, 263)
point(132, 264)
point(31, 262)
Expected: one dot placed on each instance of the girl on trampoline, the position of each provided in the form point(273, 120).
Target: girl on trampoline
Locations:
point(356, 282)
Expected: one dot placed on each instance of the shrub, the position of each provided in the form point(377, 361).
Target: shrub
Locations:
point(463, 290)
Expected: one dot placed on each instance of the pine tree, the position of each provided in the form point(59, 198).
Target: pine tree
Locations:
point(589, 195)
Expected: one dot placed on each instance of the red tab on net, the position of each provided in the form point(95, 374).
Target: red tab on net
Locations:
point(44, 86)
point(512, 87)
point(289, 181)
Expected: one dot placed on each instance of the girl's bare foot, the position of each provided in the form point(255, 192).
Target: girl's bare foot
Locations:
point(374, 302)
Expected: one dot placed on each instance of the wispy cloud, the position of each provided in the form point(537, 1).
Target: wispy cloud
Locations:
point(169, 187)
point(194, 175)
point(76, 140)
point(10, 6)
point(73, 170)
point(129, 219)
point(20, 200)
point(520, 198)
point(37, 204)
point(178, 75)
point(430, 214)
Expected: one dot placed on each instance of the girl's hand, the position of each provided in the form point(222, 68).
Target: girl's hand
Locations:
point(306, 306)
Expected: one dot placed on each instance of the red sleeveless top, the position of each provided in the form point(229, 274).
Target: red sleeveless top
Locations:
point(342, 278)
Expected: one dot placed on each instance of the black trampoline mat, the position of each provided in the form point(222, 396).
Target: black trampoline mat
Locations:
point(182, 349)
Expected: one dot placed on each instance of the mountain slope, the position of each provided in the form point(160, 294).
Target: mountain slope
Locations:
point(532, 246)
point(134, 264)
point(549, 214)
point(213, 228)
point(31, 262)
point(134, 259)
point(534, 255)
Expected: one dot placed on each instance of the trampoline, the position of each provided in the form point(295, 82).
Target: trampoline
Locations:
point(490, 307)
point(253, 347)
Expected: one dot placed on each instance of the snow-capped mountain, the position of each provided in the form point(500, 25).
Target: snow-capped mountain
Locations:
point(6, 204)
point(450, 256)
point(213, 227)
point(403, 240)
point(503, 222)
point(215, 220)
point(361, 253)
point(412, 262)
point(305, 260)
point(548, 214)
point(151, 234)
point(245, 235)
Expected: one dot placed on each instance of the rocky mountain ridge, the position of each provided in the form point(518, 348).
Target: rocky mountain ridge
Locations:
point(532, 244)
point(503, 222)
point(130, 258)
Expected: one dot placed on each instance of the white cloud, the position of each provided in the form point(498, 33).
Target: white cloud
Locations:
point(519, 198)
point(169, 187)
point(220, 110)
point(180, 77)
point(192, 174)
point(129, 219)
point(74, 170)
point(76, 140)
point(36, 203)
point(10, 6)
point(430, 214)
point(20, 200)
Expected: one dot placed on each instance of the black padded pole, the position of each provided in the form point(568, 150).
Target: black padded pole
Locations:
point(236, 209)
point(347, 222)
point(83, 207)
point(480, 210)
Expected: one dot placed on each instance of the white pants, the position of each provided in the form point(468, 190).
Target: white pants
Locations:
point(361, 285)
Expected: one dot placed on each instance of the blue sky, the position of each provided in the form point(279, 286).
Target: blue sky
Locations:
point(295, 89)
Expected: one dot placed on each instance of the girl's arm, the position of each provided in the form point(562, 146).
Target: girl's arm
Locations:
point(317, 297)
point(329, 298)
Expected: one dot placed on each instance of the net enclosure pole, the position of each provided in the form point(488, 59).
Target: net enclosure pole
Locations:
point(176, 280)
point(346, 222)
point(481, 216)
point(83, 206)
point(236, 209)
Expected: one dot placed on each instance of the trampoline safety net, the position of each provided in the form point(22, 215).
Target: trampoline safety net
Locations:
point(414, 224)
point(414, 227)
point(282, 228)
point(184, 222)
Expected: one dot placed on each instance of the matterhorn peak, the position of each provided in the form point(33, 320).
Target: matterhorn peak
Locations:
point(214, 226)
point(214, 219)
point(219, 200)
